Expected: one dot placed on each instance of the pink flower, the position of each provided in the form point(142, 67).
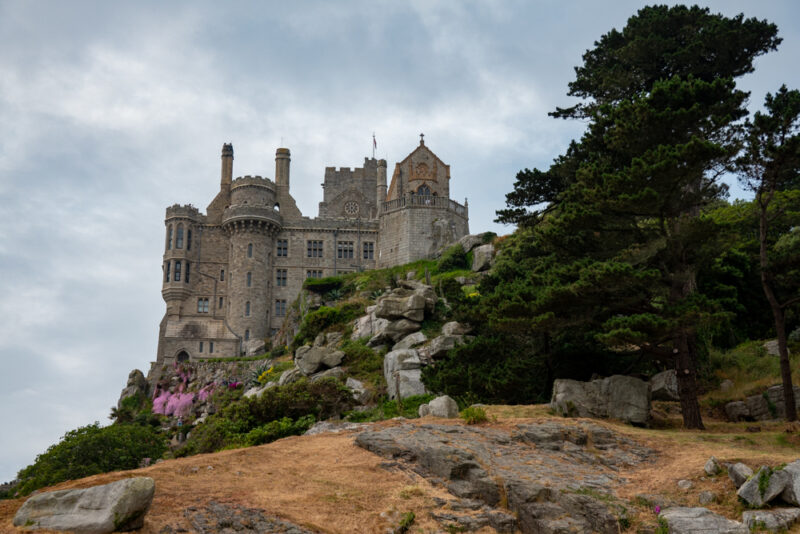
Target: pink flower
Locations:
point(160, 403)
point(657, 509)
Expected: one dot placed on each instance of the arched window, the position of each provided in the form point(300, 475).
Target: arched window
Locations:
point(247, 309)
point(424, 190)
point(169, 237)
point(250, 250)
point(247, 335)
point(182, 356)
point(179, 237)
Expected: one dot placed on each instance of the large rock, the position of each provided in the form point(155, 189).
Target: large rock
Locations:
point(119, 505)
point(739, 473)
point(712, 467)
point(778, 520)
point(290, 376)
point(312, 359)
point(411, 340)
point(682, 520)
point(422, 290)
point(469, 242)
point(401, 369)
point(336, 372)
point(358, 388)
point(454, 328)
point(362, 327)
point(791, 493)
point(737, 411)
point(769, 405)
point(763, 487)
point(440, 346)
point(257, 392)
point(443, 406)
point(254, 346)
point(411, 307)
point(664, 386)
point(482, 257)
point(392, 332)
point(137, 385)
point(616, 397)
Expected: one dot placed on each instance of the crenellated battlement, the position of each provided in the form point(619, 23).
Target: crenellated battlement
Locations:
point(254, 181)
point(186, 211)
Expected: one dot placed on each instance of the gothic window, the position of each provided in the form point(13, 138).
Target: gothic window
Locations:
point(280, 277)
point(424, 190)
point(247, 309)
point(283, 248)
point(177, 271)
point(280, 307)
point(250, 250)
point(314, 249)
point(169, 237)
point(249, 279)
point(179, 237)
point(186, 277)
point(344, 249)
point(369, 250)
point(188, 239)
point(222, 275)
point(166, 272)
point(202, 305)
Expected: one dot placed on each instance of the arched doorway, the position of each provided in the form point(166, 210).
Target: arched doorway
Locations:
point(183, 356)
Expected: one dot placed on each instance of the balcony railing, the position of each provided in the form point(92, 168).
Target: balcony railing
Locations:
point(425, 201)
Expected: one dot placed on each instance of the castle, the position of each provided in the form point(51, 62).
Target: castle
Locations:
point(231, 274)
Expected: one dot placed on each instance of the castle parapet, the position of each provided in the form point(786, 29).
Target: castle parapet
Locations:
point(256, 181)
point(252, 218)
point(186, 211)
point(425, 201)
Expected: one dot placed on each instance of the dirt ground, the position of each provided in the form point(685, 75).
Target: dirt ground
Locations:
point(327, 484)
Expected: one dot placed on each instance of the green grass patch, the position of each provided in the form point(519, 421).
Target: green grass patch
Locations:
point(387, 409)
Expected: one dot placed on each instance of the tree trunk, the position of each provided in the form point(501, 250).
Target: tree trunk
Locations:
point(777, 311)
point(687, 381)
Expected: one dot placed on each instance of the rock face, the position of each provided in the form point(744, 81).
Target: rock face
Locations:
point(443, 406)
point(772, 520)
point(618, 397)
point(254, 346)
point(401, 369)
point(762, 487)
point(683, 520)
point(411, 340)
point(482, 257)
point(312, 359)
point(411, 307)
point(489, 463)
point(767, 406)
point(215, 517)
point(137, 384)
point(120, 505)
point(664, 386)
point(440, 346)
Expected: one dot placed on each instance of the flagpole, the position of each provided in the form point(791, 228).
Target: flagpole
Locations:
point(374, 145)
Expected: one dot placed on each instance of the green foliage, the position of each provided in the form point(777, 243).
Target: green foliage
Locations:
point(299, 402)
point(405, 523)
point(474, 415)
point(452, 259)
point(315, 322)
point(91, 450)
point(362, 362)
point(323, 285)
point(387, 409)
point(663, 526)
point(763, 480)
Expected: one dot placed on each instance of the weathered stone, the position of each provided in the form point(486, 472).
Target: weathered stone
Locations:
point(410, 340)
point(137, 385)
point(706, 497)
point(360, 392)
point(332, 427)
point(776, 520)
point(379, 326)
point(119, 505)
point(791, 493)
point(726, 385)
point(406, 383)
point(618, 397)
point(336, 372)
point(771, 348)
point(423, 290)
point(290, 376)
point(443, 406)
point(769, 405)
point(441, 345)
point(469, 242)
point(256, 392)
point(664, 386)
point(454, 328)
point(737, 411)
point(739, 473)
point(397, 330)
point(482, 257)
point(311, 359)
point(362, 327)
point(756, 493)
point(332, 338)
point(682, 520)
point(712, 467)
point(411, 307)
point(215, 518)
point(254, 346)
point(685, 484)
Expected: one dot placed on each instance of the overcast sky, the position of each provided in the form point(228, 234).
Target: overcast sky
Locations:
point(111, 111)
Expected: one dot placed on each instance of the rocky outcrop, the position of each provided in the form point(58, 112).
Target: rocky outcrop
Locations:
point(551, 480)
point(682, 520)
point(411, 307)
point(617, 397)
point(402, 371)
point(312, 359)
point(482, 257)
point(137, 385)
point(443, 406)
point(119, 505)
point(215, 517)
point(791, 492)
point(739, 473)
point(776, 520)
point(767, 406)
point(664, 386)
point(454, 328)
point(763, 487)
point(440, 346)
point(411, 340)
point(254, 346)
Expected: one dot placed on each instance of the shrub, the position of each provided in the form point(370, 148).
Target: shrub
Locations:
point(275, 430)
point(91, 450)
point(474, 415)
point(362, 362)
point(453, 258)
point(323, 285)
point(315, 322)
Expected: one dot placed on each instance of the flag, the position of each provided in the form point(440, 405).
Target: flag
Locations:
point(374, 142)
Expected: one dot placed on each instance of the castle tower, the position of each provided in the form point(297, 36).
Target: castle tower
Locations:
point(226, 175)
point(251, 223)
point(179, 256)
point(282, 160)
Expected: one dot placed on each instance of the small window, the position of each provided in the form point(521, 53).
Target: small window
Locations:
point(369, 250)
point(202, 305)
point(344, 250)
point(424, 190)
point(211, 347)
point(314, 249)
point(249, 279)
point(177, 271)
point(166, 272)
point(222, 275)
point(188, 266)
point(282, 248)
point(220, 303)
point(280, 277)
point(247, 335)
point(169, 237)
point(201, 347)
point(247, 309)
point(188, 240)
point(314, 274)
point(250, 250)
point(280, 307)
point(179, 237)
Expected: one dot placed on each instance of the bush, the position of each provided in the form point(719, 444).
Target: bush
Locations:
point(453, 258)
point(315, 322)
point(387, 409)
point(323, 285)
point(474, 415)
point(362, 362)
point(91, 450)
point(275, 430)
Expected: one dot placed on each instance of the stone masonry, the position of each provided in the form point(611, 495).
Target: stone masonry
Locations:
point(230, 275)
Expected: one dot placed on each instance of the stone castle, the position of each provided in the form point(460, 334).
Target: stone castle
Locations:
point(231, 274)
